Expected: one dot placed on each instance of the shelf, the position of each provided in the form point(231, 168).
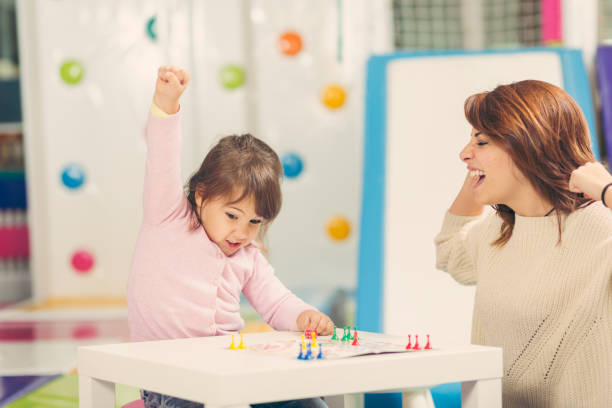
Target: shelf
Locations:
point(11, 127)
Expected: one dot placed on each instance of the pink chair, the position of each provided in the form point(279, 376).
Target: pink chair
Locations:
point(139, 403)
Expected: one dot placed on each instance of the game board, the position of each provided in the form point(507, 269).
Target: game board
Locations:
point(369, 343)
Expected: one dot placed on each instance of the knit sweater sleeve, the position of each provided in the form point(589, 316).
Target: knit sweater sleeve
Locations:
point(278, 306)
point(456, 247)
point(163, 196)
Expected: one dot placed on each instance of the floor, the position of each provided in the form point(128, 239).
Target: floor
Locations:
point(38, 349)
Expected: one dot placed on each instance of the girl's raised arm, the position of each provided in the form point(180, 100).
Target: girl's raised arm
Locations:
point(163, 193)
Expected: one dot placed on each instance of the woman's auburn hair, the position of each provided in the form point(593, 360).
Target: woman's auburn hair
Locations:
point(545, 133)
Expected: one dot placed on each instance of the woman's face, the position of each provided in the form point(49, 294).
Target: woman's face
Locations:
point(496, 178)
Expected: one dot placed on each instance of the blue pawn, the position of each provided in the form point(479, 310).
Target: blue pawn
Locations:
point(320, 355)
point(308, 355)
point(300, 356)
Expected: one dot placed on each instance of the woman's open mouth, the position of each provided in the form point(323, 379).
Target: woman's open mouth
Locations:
point(479, 182)
point(479, 175)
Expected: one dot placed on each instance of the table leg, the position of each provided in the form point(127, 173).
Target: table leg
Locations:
point(417, 399)
point(482, 394)
point(94, 393)
point(345, 401)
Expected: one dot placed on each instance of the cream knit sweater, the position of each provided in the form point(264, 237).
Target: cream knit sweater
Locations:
point(548, 305)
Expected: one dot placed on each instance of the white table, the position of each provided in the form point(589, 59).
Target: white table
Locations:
point(206, 370)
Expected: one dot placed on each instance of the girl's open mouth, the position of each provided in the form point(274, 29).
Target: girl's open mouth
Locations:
point(233, 245)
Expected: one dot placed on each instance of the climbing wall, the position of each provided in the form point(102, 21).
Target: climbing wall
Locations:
point(87, 71)
point(290, 73)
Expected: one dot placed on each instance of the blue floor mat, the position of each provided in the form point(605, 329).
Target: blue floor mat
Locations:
point(14, 387)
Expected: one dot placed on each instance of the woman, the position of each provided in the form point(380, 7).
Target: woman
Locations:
point(542, 261)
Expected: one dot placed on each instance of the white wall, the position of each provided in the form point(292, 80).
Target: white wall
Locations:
point(426, 130)
point(98, 123)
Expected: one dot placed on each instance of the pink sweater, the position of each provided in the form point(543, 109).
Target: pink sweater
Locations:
point(181, 284)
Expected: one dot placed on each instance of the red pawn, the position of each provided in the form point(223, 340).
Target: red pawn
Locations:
point(409, 345)
point(308, 333)
point(416, 343)
point(355, 341)
point(428, 346)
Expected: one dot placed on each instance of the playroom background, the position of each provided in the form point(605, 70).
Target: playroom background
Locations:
point(76, 82)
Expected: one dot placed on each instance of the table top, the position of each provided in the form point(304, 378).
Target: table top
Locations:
point(206, 370)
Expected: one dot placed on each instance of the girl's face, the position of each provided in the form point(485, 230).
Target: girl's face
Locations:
point(496, 180)
point(230, 225)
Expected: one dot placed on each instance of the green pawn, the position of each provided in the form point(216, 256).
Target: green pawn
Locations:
point(344, 335)
point(334, 337)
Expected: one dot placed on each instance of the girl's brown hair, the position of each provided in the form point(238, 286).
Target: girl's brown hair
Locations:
point(545, 133)
point(242, 165)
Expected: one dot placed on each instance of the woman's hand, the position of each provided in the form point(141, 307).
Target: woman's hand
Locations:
point(170, 85)
point(313, 320)
point(590, 179)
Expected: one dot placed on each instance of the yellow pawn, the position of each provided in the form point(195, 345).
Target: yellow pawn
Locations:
point(233, 345)
point(314, 340)
point(303, 343)
point(241, 346)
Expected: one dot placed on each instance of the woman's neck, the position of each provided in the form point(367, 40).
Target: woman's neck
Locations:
point(530, 204)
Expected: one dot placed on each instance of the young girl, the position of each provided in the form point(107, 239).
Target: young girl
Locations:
point(542, 262)
point(197, 252)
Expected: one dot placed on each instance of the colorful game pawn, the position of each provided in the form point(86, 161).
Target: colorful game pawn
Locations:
point(320, 355)
point(300, 356)
point(233, 345)
point(314, 339)
point(355, 339)
point(416, 343)
point(428, 345)
point(409, 345)
point(303, 343)
point(352, 336)
point(241, 346)
point(309, 332)
point(344, 335)
point(334, 337)
point(308, 355)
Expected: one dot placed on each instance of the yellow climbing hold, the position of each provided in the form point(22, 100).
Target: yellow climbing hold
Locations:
point(333, 96)
point(338, 228)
